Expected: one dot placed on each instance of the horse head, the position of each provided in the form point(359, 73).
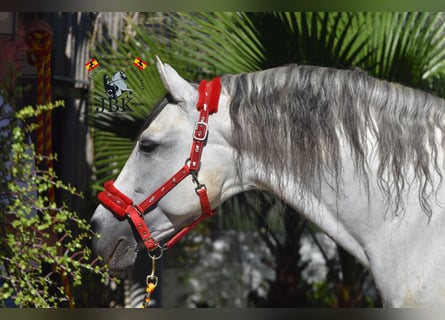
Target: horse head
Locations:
point(168, 144)
point(120, 75)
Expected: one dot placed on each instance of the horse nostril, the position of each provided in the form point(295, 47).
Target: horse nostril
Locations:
point(98, 246)
point(95, 226)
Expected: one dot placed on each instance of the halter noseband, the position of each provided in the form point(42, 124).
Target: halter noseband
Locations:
point(122, 206)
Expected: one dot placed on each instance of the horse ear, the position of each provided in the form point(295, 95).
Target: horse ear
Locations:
point(179, 88)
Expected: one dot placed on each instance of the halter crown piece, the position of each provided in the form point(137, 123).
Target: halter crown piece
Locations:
point(123, 206)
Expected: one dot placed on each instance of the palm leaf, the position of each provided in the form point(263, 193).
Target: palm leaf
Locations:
point(407, 48)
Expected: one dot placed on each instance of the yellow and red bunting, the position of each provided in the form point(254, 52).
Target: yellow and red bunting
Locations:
point(140, 64)
point(92, 64)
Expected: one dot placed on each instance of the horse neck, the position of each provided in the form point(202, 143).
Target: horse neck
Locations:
point(322, 208)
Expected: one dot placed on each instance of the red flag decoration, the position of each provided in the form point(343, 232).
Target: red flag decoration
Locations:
point(92, 64)
point(140, 64)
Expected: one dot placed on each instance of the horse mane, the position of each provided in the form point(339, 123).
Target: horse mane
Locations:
point(293, 118)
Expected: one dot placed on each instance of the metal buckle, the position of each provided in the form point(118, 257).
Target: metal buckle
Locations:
point(200, 187)
point(136, 208)
point(201, 131)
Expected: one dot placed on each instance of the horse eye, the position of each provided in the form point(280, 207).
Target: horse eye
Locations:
point(147, 146)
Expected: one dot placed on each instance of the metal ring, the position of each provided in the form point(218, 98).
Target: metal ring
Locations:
point(153, 255)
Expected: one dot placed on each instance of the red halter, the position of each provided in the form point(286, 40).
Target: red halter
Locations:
point(122, 206)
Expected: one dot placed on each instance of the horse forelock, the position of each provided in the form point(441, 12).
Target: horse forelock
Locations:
point(304, 112)
point(156, 110)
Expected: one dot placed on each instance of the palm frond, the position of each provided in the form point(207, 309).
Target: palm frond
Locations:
point(407, 48)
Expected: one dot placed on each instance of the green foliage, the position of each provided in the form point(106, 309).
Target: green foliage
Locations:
point(405, 47)
point(43, 243)
point(321, 295)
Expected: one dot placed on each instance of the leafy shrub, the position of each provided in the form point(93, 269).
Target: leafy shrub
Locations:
point(43, 247)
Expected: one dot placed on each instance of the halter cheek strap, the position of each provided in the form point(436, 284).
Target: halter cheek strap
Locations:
point(123, 207)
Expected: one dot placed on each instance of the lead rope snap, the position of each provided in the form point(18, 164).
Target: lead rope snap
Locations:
point(152, 282)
